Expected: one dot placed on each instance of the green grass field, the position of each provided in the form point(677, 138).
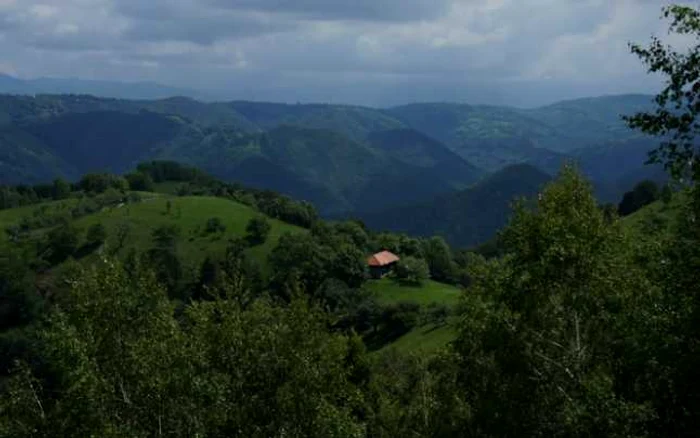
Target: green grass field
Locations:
point(422, 339)
point(655, 219)
point(14, 215)
point(388, 291)
point(189, 214)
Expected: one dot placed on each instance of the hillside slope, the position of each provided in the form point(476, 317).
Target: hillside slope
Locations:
point(494, 137)
point(468, 217)
point(66, 136)
point(189, 214)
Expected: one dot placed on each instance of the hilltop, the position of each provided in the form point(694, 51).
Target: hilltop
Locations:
point(342, 158)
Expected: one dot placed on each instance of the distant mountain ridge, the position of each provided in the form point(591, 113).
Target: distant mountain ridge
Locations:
point(343, 158)
point(468, 217)
point(82, 134)
point(113, 89)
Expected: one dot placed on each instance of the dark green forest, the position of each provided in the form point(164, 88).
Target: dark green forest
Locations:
point(215, 309)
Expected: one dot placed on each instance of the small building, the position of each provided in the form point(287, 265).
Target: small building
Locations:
point(381, 263)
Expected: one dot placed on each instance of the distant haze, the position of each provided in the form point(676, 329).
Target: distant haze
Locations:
point(367, 52)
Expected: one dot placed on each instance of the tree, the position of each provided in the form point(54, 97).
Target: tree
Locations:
point(411, 270)
point(666, 194)
point(96, 235)
point(62, 242)
point(257, 230)
point(348, 265)
point(438, 255)
point(61, 189)
point(140, 181)
point(214, 225)
point(99, 182)
point(20, 302)
point(540, 328)
point(675, 117)
point(400, 318)
point(120, 362)
point(164, 258)
point(676, 266)
point(299, 264)
point(209, 276)
point(644, 193)
point(437, 314)
point(120, 236)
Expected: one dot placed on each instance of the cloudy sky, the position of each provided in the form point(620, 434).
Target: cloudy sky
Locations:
point(372, 52)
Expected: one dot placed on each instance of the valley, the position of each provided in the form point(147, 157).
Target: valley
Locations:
point(348, 161)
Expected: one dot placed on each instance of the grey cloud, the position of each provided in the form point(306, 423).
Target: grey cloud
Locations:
point(192, 21)
point(359, 51)
point(363, 10)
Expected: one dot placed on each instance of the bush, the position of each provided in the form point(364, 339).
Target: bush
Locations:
point(666, 194)
point(62, 242)
point(643, 194)
point(214, 225)
point(437, 314)
point(140, 181)
point(96, 235)
point(411, 270)
point(257, 230)
point(400, 318)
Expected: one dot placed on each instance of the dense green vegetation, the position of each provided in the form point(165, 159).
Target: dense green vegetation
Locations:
point(57, 136)
point(578, 323)
point(263, 346)
point(347, 161)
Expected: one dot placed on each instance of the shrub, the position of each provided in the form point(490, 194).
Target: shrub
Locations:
point(411, 270)
point(214, 225)
point(257, 230)
point(96, 235)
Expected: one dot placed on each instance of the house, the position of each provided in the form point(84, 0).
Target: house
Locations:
point(381, 263)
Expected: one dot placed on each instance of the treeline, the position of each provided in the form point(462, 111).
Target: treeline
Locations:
point(576, 330)
point(192, 182)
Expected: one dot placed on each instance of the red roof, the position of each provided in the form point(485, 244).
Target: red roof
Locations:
point(382, 259)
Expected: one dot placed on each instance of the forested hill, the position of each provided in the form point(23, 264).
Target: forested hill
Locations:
point(341, 158)
point(306, 156)
point(468, 217)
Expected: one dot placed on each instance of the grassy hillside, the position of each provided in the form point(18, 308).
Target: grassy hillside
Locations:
point(652, 222)
point(423, 338)
point(189, 214)
point(389, 291)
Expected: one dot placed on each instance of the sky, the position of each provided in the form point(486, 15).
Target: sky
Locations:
point(368, 52)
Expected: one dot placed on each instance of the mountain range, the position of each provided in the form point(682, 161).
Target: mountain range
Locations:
point(378, 164)
point(125, 90)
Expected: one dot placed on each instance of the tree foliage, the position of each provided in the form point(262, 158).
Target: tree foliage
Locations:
point(122, 365)
point(538, 329)
point(411, 270)
point(644, 193)
point(678, 104)
point(257, 230)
